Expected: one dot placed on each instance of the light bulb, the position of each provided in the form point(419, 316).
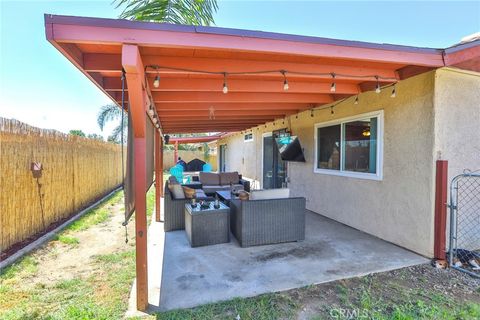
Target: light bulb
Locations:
point(225, 88)
point(377, 86)
point(150, 112)
point(356, 100)
point(333, 87)
point(285, 85)
point(331, 111)
point(156, 82)
point(394, 92)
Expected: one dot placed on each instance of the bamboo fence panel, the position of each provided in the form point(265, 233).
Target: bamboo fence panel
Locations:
point(76, 172)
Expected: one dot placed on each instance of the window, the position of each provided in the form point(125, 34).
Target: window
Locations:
point(248, 137)
point(350, 147)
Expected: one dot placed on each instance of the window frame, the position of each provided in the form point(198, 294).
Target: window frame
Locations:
point(248, 140)
point(342, 172)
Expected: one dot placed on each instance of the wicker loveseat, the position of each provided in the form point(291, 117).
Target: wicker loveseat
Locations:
point(267, 221)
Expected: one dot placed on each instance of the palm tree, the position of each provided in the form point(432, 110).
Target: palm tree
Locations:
point(191, 12)
point(111, 112)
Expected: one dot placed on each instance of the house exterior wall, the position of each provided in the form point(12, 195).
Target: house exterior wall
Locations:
point(400, 207)
point(457, 119)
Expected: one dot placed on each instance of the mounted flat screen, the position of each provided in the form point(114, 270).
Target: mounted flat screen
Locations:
point(290, 149)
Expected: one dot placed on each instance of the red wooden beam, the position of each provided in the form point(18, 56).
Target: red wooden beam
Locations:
point(133, 67)
point(236, 97)
point(158, 173)
point(470, 51)
point(441, 185)
point(110, 62)
point(175, 153)
point(200, 139)
point(221, 113)
point(234, 85)
point(218, 106)
point(114, 32)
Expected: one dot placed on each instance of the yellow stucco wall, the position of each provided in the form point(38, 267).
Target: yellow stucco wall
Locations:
point(457, 119)
point(400, 207)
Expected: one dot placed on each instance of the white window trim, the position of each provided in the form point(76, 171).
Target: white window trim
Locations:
point(360, 175)
point(249, 140)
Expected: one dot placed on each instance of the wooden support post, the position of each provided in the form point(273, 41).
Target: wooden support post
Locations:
point(175, 153)
point(158, 174)
point(440, 230)
point(133, 67)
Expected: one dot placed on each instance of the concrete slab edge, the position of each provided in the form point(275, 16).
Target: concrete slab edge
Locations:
point(40, 241)
point(155, 309)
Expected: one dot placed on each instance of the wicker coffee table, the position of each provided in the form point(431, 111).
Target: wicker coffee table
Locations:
point(206, 227)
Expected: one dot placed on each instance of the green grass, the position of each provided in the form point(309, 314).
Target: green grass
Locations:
point(267, 306)
point(96, 215)
point(102, 294)
point(66, 239)
point(364, 298)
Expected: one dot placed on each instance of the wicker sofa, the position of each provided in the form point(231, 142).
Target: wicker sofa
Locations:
point(213, 182)
point(174, 218)
point(268, 221)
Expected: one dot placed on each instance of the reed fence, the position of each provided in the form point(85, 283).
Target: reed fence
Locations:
point(76, 172)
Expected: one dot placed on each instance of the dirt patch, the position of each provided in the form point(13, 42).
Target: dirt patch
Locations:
point(58, 261)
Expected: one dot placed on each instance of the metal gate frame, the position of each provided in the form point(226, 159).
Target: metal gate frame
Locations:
point(454, 217)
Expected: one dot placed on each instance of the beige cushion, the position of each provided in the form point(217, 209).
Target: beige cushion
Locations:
point(209, 178)
point(228, 177)
point(200, 194)
point(177, 191)
point(270, 194)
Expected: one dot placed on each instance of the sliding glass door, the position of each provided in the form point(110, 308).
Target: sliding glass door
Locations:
point(274, 168)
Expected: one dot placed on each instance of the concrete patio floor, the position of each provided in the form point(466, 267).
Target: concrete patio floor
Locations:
point(183, 277)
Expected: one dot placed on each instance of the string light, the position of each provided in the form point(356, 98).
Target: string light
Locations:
point(225, 88)
point(394, 92)
point(156, 82)
point(333, 87)
point(285, 81)
point(151, 112)
point(377, 87)
point(311, 113)
point(356, 100)
point(331, 110)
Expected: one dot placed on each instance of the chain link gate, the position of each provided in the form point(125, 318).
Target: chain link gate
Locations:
point(464, 243)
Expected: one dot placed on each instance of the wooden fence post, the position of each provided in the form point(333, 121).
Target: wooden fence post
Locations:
point(440, 230)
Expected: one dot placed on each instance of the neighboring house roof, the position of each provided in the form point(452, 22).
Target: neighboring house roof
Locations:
point(194, 62)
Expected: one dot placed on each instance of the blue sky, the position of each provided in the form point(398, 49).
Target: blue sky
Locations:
point(40, 87)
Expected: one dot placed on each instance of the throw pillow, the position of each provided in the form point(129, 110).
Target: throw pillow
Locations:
point(189, 192)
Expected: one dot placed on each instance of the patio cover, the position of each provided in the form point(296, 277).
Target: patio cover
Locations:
point(184, 98)
point(195, 63)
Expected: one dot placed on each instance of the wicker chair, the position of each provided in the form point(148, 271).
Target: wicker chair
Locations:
point(174, 215)
point(260, 222)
